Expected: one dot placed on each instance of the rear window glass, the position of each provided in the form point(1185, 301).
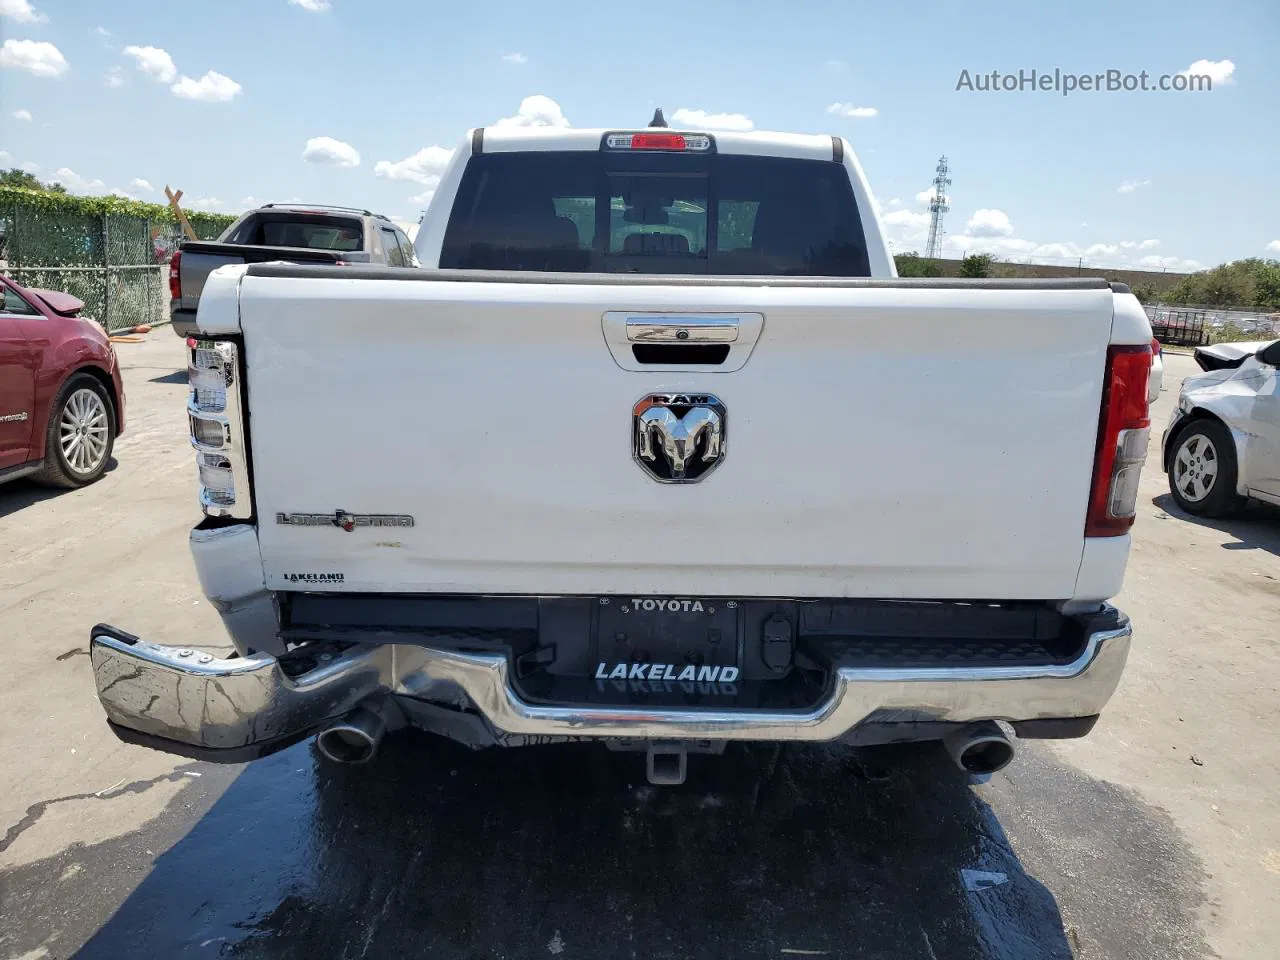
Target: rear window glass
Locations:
point(301, 230)
point(391, 247)
point(614, 212)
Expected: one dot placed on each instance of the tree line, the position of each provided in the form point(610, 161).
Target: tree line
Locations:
point(1249, 284)
point(22, 180)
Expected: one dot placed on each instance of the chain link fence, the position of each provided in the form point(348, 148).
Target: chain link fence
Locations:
point(117, 297)
point(117, 264)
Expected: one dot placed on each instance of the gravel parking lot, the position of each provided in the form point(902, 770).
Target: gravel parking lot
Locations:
point(1158, 836)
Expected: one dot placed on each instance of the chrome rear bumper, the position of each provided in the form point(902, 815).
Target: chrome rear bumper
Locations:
point(235, 709)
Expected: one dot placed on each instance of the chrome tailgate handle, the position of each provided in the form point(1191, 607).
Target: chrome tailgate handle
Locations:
point(682, 329)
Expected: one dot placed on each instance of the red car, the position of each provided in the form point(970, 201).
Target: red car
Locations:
point(61, 394)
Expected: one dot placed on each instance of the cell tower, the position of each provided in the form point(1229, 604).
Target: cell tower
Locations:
point(937, 207)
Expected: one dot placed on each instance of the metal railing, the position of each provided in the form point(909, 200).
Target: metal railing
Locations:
point(1184, 328)
point(1193, 326)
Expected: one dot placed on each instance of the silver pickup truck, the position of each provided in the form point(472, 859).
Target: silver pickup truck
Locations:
point(309, 233)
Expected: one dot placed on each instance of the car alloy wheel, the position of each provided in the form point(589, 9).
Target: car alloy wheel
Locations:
point(83, 431)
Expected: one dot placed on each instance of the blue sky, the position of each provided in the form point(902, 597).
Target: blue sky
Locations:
point(224, 99)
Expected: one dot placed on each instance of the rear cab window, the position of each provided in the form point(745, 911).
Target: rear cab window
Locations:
point(652, 212)
point(406, 249)
point(292, 229)
point(391, 247)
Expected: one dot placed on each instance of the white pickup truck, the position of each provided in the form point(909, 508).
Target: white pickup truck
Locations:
point(657, 451)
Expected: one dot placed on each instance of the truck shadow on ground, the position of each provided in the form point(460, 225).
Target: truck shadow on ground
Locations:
point(1258, 528)
point(434, 851)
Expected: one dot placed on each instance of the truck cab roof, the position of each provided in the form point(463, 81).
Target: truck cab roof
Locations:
point(806, 146)
point(806, 193)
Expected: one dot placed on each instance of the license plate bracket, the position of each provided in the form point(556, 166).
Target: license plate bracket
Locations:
point(668, 634)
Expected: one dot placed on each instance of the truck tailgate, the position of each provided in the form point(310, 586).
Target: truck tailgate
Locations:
point(882, 440)
point(201, 257)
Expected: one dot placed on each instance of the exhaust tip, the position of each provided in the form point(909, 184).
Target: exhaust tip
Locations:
point(980, 749)
point(353, 740)
point(987, 756)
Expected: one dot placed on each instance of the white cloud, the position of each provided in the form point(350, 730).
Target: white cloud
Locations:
point(117, 192)
point(849, 110)
point(142, 186)
point(1219, 71)
point(536, 111)
point(895, 202)
point(1274, 246)
point(925, 197)
point(424, 198)
point(1046, 251)
point(22, 115)
point(905, 218)
point(702, 120)
point(102, 31)
point(1176, 264)
point(330, 151)
point(202, 203)
point(154, 62)
point(1097, 255)
point(213, 87)
point(113, 78)
point(423, 167)
point(519, 59)
point(315, 6)
point(21, 10)
point(991, 231)
point(34, 56)
point(989, 223)
point(1131, 185)
point(4, 156)
point(73, 181)
point(31, 166)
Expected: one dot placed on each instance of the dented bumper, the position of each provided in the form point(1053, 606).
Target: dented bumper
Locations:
point(235, 709)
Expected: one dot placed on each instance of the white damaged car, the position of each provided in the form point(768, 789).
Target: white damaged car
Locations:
point(1222, 445)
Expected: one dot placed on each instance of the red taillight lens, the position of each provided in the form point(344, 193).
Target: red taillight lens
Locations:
point(657, 141)
point(1123, 430)
point(175, 282)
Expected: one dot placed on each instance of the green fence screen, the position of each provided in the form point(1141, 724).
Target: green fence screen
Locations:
point(111, 253)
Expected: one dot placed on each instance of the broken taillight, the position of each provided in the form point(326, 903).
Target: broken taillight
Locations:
point(214, 409)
